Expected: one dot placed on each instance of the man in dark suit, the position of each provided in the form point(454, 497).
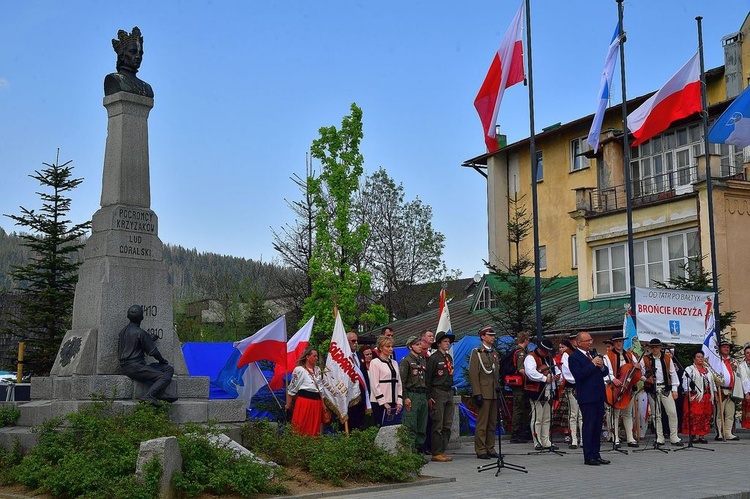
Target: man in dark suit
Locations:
point(589, 372)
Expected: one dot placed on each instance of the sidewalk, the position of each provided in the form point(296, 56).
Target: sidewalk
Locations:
point(691, 473)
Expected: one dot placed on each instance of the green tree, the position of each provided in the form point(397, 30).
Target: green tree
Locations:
point(339, 241)
point(516, 296)
point(403, 248)
point(47, 281)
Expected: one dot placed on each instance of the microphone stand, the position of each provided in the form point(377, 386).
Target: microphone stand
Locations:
point(690, 413)
point(500, 463)
point(656, 415)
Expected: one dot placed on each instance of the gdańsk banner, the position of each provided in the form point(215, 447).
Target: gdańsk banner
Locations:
point(672, 315)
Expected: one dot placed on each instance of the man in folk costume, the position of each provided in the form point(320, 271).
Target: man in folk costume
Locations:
point(725, 405)
point(575, 418)
point(412, 369)
point(484, 376)
point(439, 380)
point(614, 359)
point(521, 419)
point(744, 372)
point(661, 382)
point(589, 371)
point(540, 385)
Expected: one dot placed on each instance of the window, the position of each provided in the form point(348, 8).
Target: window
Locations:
point(542, 258)
point(578, 147)
point(654, 259)
point(539, 167)
point(666, 162)
point(574, 251)
point(486, 299)
point(610, 270)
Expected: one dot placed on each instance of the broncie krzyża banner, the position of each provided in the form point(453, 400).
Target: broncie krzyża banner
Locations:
point(672, 315)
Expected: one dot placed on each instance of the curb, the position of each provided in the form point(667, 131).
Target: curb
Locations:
point(374, 488)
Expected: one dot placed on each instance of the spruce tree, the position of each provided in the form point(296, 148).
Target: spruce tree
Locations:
point(46, 284)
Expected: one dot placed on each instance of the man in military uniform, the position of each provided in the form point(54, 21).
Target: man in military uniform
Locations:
point(412, 369)
point(484, 376)
point(439, 380)
point(134, 345)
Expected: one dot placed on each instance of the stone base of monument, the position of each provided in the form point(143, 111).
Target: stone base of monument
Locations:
point(56, 396)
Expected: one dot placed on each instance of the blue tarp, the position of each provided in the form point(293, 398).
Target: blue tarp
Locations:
point(207, 359)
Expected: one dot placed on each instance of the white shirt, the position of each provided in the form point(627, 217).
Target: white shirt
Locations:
point(301, 380)
point(529, 366)
point(569, 379)
point(659, 374)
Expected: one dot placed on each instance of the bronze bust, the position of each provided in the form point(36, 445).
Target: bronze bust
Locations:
point(129, 49)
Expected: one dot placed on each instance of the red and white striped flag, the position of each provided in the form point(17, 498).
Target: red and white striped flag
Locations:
point(506, 70)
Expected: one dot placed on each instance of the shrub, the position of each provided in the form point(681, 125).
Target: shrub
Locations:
point(215, 469)
point(9, 416)
point(335, 457)
point(95, 454)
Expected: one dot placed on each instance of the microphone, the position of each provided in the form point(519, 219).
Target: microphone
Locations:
point(594, 353)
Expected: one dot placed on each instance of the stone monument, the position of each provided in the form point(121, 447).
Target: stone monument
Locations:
point(122, 266)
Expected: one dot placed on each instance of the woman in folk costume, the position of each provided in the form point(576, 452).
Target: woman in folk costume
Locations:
point(744, 372)
point(304, 393)
point(698, 384)
point(385, 385)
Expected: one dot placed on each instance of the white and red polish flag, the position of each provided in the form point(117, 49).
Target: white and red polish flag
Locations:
point(294, 348)
point(678, 98)
point(506, 70)
point(267, 344)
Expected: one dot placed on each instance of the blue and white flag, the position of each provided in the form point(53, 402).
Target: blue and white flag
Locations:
point(733, 126)
point(604, 92)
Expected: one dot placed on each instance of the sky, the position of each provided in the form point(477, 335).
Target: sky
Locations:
point(242, 88)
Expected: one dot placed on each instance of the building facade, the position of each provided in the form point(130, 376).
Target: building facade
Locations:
point(582, 214)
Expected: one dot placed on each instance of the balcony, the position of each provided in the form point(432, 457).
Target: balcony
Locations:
point(645, 191)
point(591, 201)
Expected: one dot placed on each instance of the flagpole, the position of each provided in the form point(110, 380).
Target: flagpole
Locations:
point(283, 410)
point(709, 185)
point(534, 196)
point(626, 159)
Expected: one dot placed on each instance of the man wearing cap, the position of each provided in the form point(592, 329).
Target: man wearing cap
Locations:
point(439, 380)
point(725, 406)
point(484, 376)
point(661, 386)
point(540, 385)
point(589, 371)
point(412, 369)
point(614, 360)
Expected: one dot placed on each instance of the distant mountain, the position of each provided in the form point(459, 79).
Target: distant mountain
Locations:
point(194, 275)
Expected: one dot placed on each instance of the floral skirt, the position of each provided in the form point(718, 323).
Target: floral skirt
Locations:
point(700, 416)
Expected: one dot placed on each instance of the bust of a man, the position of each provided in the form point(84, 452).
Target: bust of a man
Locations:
point(129, 49)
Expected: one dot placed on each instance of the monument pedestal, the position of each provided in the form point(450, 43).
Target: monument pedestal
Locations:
point(122, 266)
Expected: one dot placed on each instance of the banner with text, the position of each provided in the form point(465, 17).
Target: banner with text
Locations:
point(672, 315)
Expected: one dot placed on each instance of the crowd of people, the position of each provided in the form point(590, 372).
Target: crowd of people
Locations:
point(601, 392)
point(591, 394)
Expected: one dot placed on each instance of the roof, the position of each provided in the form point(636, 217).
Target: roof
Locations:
point(561, 296)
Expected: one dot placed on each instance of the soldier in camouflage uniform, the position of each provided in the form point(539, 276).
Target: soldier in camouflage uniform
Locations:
point(412, 369)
